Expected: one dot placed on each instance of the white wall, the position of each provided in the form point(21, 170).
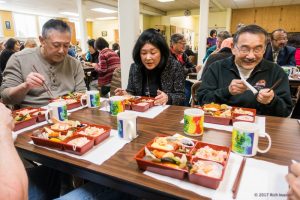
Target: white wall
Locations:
point(105, 25)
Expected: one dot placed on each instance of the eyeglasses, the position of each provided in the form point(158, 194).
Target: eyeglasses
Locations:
point(281, 39)
point(181, 42)
point(246, 50)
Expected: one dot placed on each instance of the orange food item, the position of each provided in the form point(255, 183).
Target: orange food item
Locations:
point(54, 134)
point(158, 154)
point(171, 165)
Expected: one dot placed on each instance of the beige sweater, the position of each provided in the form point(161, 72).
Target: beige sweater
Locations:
point(67, 76)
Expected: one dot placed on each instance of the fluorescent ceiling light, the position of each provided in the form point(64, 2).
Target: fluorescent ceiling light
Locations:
point(70, 14)
point(164, 1)
point(106, 18)
point(2, 2)
point(104, 10)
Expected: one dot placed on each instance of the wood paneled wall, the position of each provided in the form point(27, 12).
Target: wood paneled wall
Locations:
point(270, 18)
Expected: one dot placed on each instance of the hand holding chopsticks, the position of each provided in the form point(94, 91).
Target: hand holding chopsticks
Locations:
point(235, 187)
point(44, 84)
point(275, 84)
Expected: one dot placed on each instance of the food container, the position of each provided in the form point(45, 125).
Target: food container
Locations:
point(40, 114)
point(79, 150)
point(97, 138)
point(173, 145)
point(24, 123)
point(149, 100)
point(243, 114)
point(158, 168)
point(46, 142)
point(140, 107)
point(217, 120)
point(215, 147)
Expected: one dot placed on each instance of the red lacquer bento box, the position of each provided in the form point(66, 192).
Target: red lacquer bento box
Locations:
point(139, 104)
point(25, 117)
point(72, 100)
point(77, 139)
point(205, 163)
point(243, 114)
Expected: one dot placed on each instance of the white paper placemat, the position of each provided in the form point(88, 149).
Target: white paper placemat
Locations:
point(259, 177)
point(151, 113)
point(260, 121)
point(99, 153)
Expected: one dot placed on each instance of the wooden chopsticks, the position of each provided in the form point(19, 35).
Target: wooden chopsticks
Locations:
point(275, 84)
point(235, 187)
point(44, 84)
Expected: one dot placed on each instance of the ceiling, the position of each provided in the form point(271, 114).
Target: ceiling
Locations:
point(151, 7)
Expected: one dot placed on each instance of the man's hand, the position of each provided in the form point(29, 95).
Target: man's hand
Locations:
point(264, 96)
point(34, 80)
point(237, 87)
point(161, 98)
point(293, 179)
point(6, 119)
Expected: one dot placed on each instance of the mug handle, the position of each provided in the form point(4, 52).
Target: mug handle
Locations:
point(81, 100)
point(130, 126)
point(269, 146)
point(47, 115)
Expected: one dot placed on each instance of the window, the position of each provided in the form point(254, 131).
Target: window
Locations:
point(42, 21)
point(25, 25)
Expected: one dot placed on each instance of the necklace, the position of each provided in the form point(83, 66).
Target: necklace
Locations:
point(147, 93)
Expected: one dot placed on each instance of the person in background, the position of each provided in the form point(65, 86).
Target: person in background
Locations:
point(11, 46)
point(116, 48)
point(212, 39)
point(215, 48)
point(71, 51)
point(154, 72)
point(277, 50)
point(14, 181)
point(108, 62)
point(177, 48)
point(30, 43)
point(222, 82)
point(62, 74)
point(93, 55)
point(293, 179)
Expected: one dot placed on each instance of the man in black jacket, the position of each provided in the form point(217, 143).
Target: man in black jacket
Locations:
point(222, 82)
point(277, 50)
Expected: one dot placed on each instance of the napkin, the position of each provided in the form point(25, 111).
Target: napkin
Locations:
point(99, 153)
point(259, 178)
point(151, 113)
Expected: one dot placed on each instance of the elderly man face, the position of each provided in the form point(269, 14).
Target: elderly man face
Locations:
point(55, 46)
point(279, 40)
point(179, 46)
point(249, 50)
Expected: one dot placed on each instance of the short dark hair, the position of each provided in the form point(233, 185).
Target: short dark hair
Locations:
point(55, 24)
point(10, 43)
point(279, 30)
point(213, 32)
point(91, 43)
point(224, 35)
point(101, 43)
point(252, 28)
point(176, 37)
point(153, 37)
point(115, 46)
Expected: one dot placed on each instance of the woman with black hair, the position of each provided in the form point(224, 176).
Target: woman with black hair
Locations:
point(108, 62)
point(11, 46)
point(154, 72)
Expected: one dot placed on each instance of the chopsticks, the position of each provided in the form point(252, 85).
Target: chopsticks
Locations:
point(275, 84)
point(44, 84)
point(235, 187)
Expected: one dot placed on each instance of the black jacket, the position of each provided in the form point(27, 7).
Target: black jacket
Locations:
point(214, 87)
point(286, 56)
point(5, 55)
point(172, 81)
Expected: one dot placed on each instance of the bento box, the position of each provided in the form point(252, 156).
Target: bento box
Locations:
point(78, 144)
point(98, 132)
point(23, 118)
point(217, 113)
point(243, 114)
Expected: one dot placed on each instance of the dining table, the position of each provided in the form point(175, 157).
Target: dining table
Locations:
point(121, 171)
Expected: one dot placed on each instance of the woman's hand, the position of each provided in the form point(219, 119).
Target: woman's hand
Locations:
point(120, 92)
point(161, 98)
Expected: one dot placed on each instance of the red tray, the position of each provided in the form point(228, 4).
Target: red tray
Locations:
point(236, 116)
point(204, 180)
point(157, 167)
point(47, 143)
point(25, 123)
point(99, 138)
point(140, 108)
point(149, 100)
point(40, 117)
point(217, 120)
point(78, 150)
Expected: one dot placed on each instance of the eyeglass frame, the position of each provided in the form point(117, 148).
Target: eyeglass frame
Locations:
point(249, 50)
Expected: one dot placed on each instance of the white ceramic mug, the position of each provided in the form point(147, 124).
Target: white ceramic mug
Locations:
point(116, 104)
point(245, 136)
point(57, 110)
point(92, 99)
point(127, 125)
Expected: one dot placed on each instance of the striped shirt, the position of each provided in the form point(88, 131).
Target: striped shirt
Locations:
point(108, 62)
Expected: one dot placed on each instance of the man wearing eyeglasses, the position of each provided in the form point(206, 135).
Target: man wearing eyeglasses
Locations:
point(222, 82)
point(277, 50)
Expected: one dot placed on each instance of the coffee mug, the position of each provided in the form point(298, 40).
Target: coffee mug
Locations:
point(245, 137)
point(127, 125)
point(193, 121)
point(117, 105)
point(92, 99)
point(57, 110)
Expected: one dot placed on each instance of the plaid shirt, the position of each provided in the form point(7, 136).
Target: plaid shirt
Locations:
point(108, 62)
